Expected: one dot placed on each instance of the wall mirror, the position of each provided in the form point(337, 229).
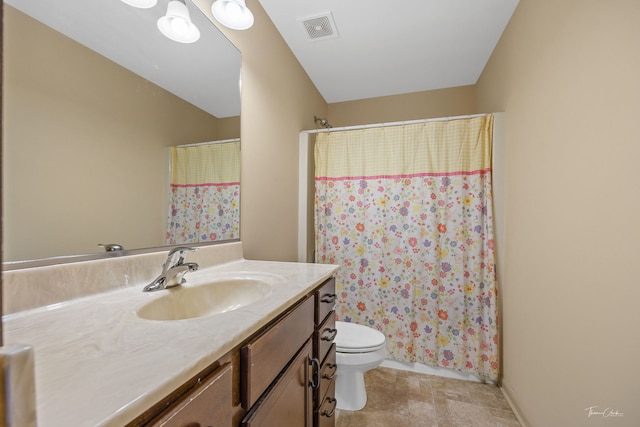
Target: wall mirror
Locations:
point(94, 95)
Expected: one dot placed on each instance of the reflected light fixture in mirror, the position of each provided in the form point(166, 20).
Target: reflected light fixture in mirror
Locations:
point(141, 4)
point(176, 24)
point(233, 14)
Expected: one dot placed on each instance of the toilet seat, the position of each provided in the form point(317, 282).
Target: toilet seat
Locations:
point(354, 338)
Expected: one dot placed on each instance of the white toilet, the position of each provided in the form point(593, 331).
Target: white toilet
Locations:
point(358, 349)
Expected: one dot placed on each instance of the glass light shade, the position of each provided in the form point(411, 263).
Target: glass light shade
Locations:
point(142, 4)
point(233, 14)
point(176, 24)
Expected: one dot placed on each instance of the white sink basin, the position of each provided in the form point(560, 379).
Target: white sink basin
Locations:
point(191, 301)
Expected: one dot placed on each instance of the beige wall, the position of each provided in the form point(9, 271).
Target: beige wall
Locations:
point(454, 101)
point(84, 162)
point(278, 101)
point(228, 128)
point(567, 74)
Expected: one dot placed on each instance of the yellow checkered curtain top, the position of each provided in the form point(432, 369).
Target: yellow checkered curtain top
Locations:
point(443, 147)
point(407, 213)
point(216, 163)
point(204, 202)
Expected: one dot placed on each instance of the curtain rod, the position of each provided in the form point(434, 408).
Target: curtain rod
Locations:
point(223, 141)
point(409, 122)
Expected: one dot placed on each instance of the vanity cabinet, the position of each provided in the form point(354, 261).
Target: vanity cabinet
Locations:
point(298, 387)
point(289, 401)
point(283, 375)
point(325, 352)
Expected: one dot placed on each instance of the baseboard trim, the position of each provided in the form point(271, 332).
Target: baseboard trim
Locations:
point(509, 395)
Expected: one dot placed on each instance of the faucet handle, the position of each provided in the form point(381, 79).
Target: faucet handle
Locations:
point(181, 250)
point(111, 247)
point(176, 256)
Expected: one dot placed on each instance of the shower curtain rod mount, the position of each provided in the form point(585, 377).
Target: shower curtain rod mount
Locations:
point(323, 122)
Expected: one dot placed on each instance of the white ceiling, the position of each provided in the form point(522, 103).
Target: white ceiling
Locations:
point(382, 48)
point(389, 47)
point(205, 73)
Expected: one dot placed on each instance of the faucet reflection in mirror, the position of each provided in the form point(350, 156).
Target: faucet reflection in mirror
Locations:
point(204, 199)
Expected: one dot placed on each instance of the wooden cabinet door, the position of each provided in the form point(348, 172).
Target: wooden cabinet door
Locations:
point(324, 336)
point(264, 358)
point(208, 405)
point(325, 416)
point(288, 402)
point(327, 375)
point(325, 300)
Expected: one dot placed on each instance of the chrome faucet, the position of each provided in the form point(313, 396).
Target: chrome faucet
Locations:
point(173, 270)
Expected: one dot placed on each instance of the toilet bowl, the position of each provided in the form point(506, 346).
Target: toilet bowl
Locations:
point(358, 349)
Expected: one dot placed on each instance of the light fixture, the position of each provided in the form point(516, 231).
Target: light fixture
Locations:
point(232, 13)
point(142, 4)
point(177, 25)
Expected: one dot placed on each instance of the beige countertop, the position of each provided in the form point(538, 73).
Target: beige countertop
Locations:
point(98, 364)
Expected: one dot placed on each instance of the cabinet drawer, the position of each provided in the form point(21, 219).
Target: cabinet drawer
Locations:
point(325, 335)
point(265, 356)
point(325, 300)
point(207, 405)
point(327, 372)
point(325, 415)
point(288, 401)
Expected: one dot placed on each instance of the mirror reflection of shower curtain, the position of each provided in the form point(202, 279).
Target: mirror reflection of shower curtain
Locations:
point(204, 194)
point(407, 213)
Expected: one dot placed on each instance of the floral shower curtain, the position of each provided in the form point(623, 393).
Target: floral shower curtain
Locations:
point(204, 199)
point(407, 213)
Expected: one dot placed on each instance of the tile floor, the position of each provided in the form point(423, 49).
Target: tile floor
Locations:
point(398, 398)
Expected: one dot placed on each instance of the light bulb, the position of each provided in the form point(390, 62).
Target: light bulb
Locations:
point(233, 11)
point(142, 4)
point(179, 26)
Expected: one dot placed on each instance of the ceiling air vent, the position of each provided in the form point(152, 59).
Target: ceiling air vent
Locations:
point(319, 27)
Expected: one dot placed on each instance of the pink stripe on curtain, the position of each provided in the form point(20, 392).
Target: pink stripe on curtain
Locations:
point(206, 184)
point(414, 175)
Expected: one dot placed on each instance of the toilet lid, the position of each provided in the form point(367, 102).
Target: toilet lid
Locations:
point(354, 338)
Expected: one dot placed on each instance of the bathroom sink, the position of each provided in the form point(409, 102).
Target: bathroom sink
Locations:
point(192, 301)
